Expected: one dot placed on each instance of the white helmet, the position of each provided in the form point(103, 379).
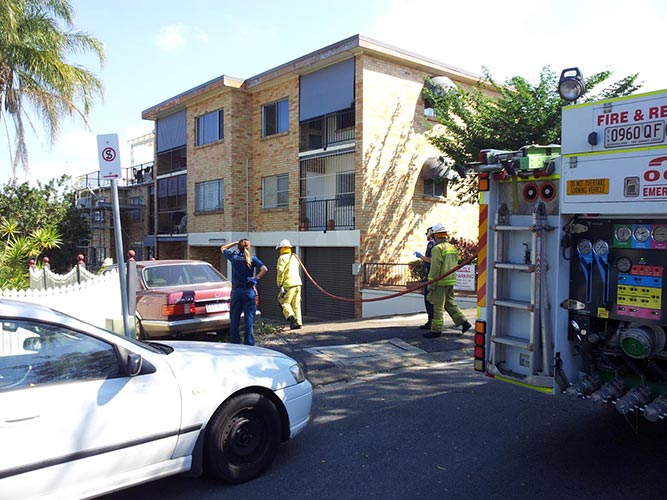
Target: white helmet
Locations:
point(439, 228)
point(284, 244)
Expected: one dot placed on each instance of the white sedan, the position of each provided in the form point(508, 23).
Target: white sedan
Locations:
point(85, 412)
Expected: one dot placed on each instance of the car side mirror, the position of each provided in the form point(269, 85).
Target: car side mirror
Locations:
point(134, 363)
point(33, 344)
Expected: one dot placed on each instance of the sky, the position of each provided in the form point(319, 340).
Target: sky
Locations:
point(156, 49)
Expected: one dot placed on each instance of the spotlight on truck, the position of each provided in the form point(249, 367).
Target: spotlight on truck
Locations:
point(571, 85)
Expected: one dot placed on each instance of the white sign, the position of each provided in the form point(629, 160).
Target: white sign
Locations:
point(465, 278)
point(109, 156)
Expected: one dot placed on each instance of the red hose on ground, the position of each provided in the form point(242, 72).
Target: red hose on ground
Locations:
point(393, 295)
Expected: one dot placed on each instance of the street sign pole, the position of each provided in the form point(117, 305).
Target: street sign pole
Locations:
point(119, 256)
point(109, 160)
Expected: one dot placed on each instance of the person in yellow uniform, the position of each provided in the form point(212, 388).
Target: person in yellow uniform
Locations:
point(444, 257)
point(288, 280)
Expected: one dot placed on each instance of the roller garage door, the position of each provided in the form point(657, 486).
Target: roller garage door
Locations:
point(332, 269)
point(266, 287)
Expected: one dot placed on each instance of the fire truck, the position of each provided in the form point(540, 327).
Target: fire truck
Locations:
point(573, 257)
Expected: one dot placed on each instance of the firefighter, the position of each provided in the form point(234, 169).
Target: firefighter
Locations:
point(288, 280)
point(444, 257)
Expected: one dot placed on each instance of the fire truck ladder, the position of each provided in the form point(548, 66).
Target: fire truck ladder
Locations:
point(514, 351)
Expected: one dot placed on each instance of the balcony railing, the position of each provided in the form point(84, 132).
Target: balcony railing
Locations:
point(322, 215)
point(327, 130)
point(139, 174)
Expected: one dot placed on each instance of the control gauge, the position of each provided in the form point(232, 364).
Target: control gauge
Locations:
point(601, 247)
point(641, 233)
point(622, 233)
point(584, 246)
point(659, 234)
point(623, 264)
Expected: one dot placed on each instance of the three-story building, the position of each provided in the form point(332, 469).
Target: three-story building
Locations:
point(329, 150)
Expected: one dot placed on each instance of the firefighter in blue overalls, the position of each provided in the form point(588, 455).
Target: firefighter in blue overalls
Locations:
point(444, 257)
point(244, 279)
point(289, 283)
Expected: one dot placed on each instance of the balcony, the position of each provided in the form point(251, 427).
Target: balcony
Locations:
point(172, 224)
point(328, 215)
point(326, 131)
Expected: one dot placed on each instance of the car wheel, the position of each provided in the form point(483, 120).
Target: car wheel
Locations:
point(242, 438)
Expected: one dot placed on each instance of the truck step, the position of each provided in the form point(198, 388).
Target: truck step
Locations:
point(513, 341)
point(514, 304)
point(512, 266)
point(531, 228)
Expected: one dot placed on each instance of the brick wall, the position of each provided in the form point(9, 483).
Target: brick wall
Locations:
point(394, 214)
point(273, 155)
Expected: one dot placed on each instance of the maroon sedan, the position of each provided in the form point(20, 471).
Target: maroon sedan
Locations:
point(180, 297)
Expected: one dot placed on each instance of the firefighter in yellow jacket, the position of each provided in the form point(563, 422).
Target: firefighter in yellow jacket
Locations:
point(288, 280)
point(444, 257)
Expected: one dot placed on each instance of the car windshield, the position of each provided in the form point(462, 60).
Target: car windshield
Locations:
point(181, 274)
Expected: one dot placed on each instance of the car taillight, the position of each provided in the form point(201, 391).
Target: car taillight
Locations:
point(177, 309)
point(480, 345)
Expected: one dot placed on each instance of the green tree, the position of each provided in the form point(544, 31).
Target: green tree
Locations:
point(517, 114)
point(36, 37)
point(38, 221)
point(17, 247)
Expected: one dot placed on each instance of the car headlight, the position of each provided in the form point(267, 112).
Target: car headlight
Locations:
point(297, 373)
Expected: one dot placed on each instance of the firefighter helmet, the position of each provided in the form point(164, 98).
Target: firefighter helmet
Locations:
point(439, 228)
point(284, 244)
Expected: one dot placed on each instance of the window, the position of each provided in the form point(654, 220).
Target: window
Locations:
point(210, 127)
point(275, 191)
point(36, 354)
point(209, 196)
point(435, 188)
point(275, 118)
point(136, 200)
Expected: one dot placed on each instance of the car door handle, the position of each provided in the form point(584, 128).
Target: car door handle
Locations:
point(17, 420)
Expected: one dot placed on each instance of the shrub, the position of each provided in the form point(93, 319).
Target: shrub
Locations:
point(466, 248)
point(417, 271)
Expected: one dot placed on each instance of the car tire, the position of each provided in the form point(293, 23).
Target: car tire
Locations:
point(242, 438)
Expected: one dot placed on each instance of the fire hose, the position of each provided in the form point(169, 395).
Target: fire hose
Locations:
point(393, 295)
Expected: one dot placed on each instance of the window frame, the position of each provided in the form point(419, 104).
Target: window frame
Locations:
point(430, 191)
point(201, 196)
point(201, 123)
point(277, 192)
point(281, 125)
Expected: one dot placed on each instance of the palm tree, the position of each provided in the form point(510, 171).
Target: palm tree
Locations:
point(36, 36)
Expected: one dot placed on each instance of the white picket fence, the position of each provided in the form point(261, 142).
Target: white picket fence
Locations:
point(96, 300)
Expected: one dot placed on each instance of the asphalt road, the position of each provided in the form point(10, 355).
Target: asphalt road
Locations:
point(443, 431)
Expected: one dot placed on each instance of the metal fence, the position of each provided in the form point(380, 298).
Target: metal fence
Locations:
point(386, 274)
point(335, 213)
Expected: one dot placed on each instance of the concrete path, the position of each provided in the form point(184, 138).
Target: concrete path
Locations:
point(343, 350)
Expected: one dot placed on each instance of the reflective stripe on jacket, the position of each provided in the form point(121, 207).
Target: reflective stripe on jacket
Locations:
point(444, 257)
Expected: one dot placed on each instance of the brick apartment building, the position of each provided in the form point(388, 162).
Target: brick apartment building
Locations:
point(328, 150)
